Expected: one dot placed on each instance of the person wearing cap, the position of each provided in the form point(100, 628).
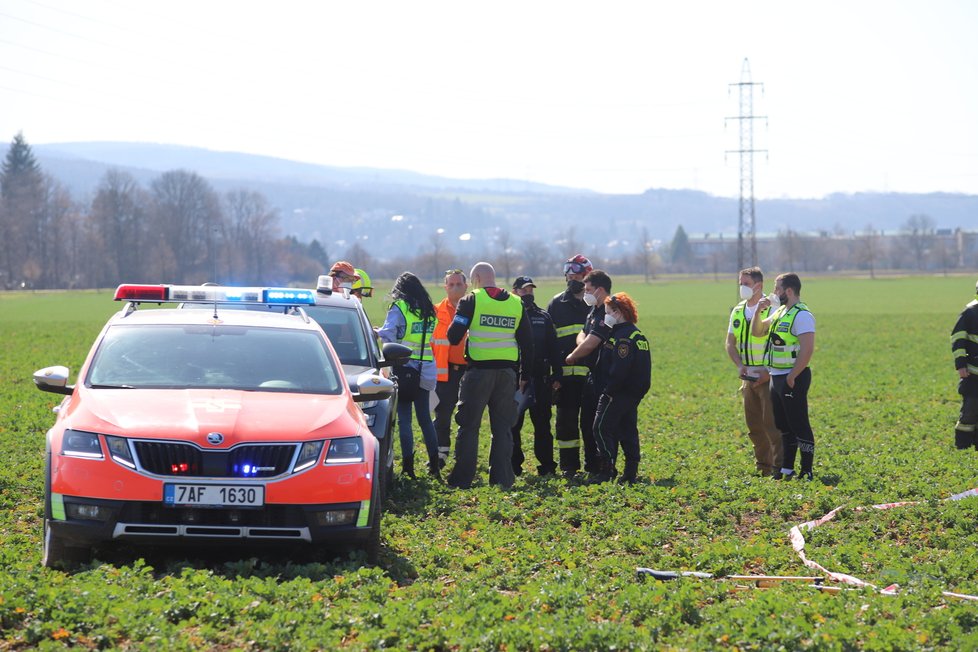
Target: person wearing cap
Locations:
point(362, 288)
point(569, 312)
point(622, 377)
point(449, 360)
point(964, 347)
point(537, 393)
point(597, 287)
point(499, 352)
point(343, 275)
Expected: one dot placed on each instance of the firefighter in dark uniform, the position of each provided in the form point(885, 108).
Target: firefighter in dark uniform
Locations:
point(569, 312)
point(622, 378)
point(964, 346)
point(537, 394)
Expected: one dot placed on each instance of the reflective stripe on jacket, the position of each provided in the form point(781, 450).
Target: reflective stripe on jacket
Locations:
point(750, 348)
point(492, 333)
point(442, 349)
point(783, 345)
point(416, 336)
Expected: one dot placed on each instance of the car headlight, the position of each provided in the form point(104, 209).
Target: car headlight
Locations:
point(119, 451)
point(366, 405)
point(75, 443)
point(346, 450)
point(308, 455)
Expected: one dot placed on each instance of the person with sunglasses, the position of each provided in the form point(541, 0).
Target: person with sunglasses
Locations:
point(449, 360)
point(344, 275)
point(569, 313)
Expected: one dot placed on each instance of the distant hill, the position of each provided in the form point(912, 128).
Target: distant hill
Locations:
point(396, 212)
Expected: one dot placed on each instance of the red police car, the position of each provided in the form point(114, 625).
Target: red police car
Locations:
point(227, 426)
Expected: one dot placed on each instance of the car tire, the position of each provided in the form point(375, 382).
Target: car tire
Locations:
point(372, 546)
point(55, 552)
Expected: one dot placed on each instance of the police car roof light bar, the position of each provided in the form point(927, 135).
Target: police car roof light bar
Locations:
point(213, 294)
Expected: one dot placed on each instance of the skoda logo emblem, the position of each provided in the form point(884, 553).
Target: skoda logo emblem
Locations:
point(215, 438)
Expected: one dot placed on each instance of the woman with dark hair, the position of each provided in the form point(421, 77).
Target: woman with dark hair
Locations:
point(622, 377)
point(411, 321)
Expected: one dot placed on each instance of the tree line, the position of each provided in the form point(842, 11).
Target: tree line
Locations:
point(180, 230)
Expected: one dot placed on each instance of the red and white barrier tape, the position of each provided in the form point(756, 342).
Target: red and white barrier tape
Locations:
point(798, 543)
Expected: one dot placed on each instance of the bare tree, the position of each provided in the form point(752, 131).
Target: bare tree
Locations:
point(187, 216)
point(251, 225)
point(868, 251)
point(118, 218)
point(506, 256)
point(918, 234)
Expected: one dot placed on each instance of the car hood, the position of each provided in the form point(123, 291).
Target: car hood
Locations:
point(190, 414)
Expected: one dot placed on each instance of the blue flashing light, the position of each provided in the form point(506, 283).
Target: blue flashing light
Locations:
point(289, 296)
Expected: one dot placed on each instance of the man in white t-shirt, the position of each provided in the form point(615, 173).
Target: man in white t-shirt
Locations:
point(746, 351)
point(791, 342)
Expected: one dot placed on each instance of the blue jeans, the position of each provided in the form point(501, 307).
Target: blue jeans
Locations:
point(421, 407)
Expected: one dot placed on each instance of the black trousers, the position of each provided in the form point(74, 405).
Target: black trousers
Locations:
point(966, 429)
point(791, 418)
point(616, 424)
point(575, 404)
point(447, 391)
point(543, 440)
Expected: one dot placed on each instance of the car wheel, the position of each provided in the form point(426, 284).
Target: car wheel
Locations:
point(372, 545)
point(56, 553)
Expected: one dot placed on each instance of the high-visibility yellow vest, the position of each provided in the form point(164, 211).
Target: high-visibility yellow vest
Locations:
point(751, 348)
point(416, 336)
point(782, 345)
point(492, 333)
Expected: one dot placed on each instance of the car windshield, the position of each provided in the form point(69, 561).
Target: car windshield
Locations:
point(220, 356)
point(345, 330)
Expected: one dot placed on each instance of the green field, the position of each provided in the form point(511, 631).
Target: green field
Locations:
point(551, 565)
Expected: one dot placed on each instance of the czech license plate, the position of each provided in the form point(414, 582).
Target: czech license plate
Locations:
point(213, 495)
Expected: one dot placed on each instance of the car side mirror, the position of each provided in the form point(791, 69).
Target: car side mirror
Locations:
point(53, 379)
point(394, 354)
point(371, 387)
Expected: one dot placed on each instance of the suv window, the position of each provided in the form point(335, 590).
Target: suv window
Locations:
point(345, 330)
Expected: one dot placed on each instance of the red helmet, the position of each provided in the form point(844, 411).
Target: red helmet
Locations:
point(578, 264)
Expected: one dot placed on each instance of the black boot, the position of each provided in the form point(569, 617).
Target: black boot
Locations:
point(407, 465)
point(605, 472)
point(630, 474)
point(434, 466)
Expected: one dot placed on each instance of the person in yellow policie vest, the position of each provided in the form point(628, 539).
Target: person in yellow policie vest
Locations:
point(499, 352)
point(411, 321)
point(746, 351)
point(791, 342)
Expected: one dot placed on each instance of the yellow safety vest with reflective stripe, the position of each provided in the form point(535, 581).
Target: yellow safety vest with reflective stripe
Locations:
point(416, 336)
point(751, 348)
point(782, 344)
point(492, 332)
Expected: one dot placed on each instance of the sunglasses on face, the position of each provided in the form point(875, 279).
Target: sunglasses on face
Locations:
point(573, 268)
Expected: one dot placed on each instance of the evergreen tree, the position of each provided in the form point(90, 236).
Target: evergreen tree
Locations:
point(18, 166)
point(680, 251)
point(21, 212)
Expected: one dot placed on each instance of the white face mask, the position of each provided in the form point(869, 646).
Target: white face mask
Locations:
point(610, 320)
point(746, 292)
point(590, 299)
point(775, 301)
point(346, 286)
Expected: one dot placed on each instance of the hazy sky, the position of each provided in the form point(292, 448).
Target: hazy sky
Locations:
point(611, 96)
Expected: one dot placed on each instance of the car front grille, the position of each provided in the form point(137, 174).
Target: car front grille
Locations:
point(186, 460)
